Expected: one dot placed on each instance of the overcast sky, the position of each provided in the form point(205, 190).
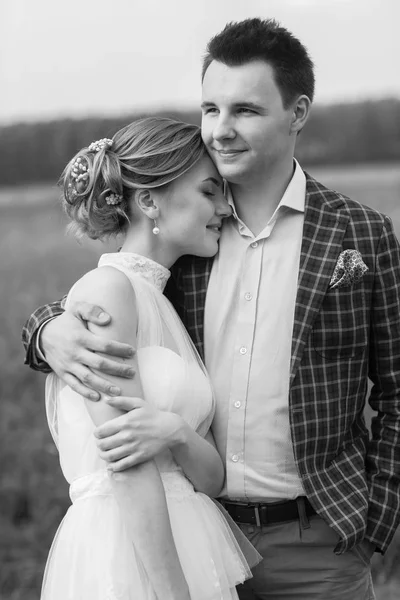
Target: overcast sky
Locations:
point(79, 57)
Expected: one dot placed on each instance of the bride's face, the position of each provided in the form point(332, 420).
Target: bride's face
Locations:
point(192, 209)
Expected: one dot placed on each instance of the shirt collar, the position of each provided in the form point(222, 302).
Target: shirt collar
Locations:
point(294, 196)
point(295, 193)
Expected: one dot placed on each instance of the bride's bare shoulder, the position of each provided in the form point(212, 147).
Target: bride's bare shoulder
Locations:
point(106, 280)
point(108, 288)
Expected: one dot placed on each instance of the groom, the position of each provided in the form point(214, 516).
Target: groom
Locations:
point(297, 311)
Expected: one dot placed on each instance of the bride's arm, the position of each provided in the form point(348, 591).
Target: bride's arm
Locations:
point(144, 431)
point(199, 459)
point(138, 490)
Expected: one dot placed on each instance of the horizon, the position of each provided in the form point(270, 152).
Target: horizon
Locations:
point(139, 111)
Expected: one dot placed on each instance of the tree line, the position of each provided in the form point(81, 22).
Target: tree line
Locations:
point(367, 131)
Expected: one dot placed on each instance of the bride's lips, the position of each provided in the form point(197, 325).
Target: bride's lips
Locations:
point(214, 227)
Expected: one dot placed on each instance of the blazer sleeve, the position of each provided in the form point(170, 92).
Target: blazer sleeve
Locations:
point(383, 458)
point(30, 330)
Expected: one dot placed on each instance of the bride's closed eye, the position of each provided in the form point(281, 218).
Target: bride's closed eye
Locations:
point(208, 190)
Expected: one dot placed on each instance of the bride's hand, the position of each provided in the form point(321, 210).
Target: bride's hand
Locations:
point(137, 436)
point(72, 351)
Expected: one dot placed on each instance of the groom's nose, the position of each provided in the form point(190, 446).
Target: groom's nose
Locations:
point(223, 128)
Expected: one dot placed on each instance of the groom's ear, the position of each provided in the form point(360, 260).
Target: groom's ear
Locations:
point(300, 114)
point(146, 201)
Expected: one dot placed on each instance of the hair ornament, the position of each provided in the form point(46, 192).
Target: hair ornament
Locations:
point(113, 199)
point(79, 171)
point(100, 144)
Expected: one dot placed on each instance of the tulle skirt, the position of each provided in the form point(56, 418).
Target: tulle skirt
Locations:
point(92, 557)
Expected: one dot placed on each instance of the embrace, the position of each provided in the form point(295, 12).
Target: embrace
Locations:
point(207, 382)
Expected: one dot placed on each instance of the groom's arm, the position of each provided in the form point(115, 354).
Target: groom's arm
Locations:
point(71, 350)
point(30, 331)
point(383, 458)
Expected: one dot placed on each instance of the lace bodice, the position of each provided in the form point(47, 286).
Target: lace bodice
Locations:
point(147, 268)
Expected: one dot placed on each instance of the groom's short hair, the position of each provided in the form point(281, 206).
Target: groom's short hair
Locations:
point(256, 39)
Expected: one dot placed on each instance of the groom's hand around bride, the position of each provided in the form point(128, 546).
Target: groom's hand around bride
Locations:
point(138, 435)
point(74, 353)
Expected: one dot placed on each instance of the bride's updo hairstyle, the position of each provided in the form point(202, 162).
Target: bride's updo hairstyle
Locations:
point(100, 180)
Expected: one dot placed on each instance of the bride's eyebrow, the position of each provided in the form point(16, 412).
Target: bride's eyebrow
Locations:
point(213, 180)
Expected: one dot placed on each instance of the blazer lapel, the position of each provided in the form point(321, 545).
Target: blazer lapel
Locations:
point(324, 227)
point(193, 281)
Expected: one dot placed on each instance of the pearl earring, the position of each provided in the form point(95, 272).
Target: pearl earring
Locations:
point(156, 230)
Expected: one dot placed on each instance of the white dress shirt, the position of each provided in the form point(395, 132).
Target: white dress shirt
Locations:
point(249, 317)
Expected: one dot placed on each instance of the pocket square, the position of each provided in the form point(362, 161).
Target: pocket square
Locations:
point(349, 269)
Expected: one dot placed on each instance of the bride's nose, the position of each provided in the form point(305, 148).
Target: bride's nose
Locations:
point(223, 208)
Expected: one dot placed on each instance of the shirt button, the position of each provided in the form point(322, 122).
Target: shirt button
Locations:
point(243, 350)
point(254, 244)
point(248, 296)
point(235, 458)
point(237, 404)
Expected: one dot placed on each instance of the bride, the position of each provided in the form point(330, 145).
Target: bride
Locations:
point(144, 533)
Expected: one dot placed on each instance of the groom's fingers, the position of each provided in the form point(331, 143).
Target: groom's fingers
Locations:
point(90, 312)
point(101, 363)
point(109, 347)
point(79, 388)
point(93, 381)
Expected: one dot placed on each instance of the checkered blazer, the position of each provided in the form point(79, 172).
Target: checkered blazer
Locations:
point(341, 337)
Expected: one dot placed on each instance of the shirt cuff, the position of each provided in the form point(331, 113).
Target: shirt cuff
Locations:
point(39, 351)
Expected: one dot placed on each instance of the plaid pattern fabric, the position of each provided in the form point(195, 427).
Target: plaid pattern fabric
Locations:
point(341, 337)
point(29, 331)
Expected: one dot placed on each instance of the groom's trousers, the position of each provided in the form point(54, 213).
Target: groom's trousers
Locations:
point(299, 564)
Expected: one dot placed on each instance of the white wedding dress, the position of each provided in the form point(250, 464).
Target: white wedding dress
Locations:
point(92, 556)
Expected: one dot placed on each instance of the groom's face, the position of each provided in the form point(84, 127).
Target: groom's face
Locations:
point(245, 126)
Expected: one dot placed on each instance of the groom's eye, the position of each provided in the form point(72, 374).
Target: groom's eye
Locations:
point(210, 109)
point(245, 109)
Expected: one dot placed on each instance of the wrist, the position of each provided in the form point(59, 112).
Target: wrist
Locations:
point(40, 350)
point(39, 347)
point(42, 339)
point(178, 432)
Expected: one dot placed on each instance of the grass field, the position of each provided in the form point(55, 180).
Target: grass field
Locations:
point(38, 263)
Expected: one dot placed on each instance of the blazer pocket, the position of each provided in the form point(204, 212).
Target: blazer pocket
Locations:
point(341, 328)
